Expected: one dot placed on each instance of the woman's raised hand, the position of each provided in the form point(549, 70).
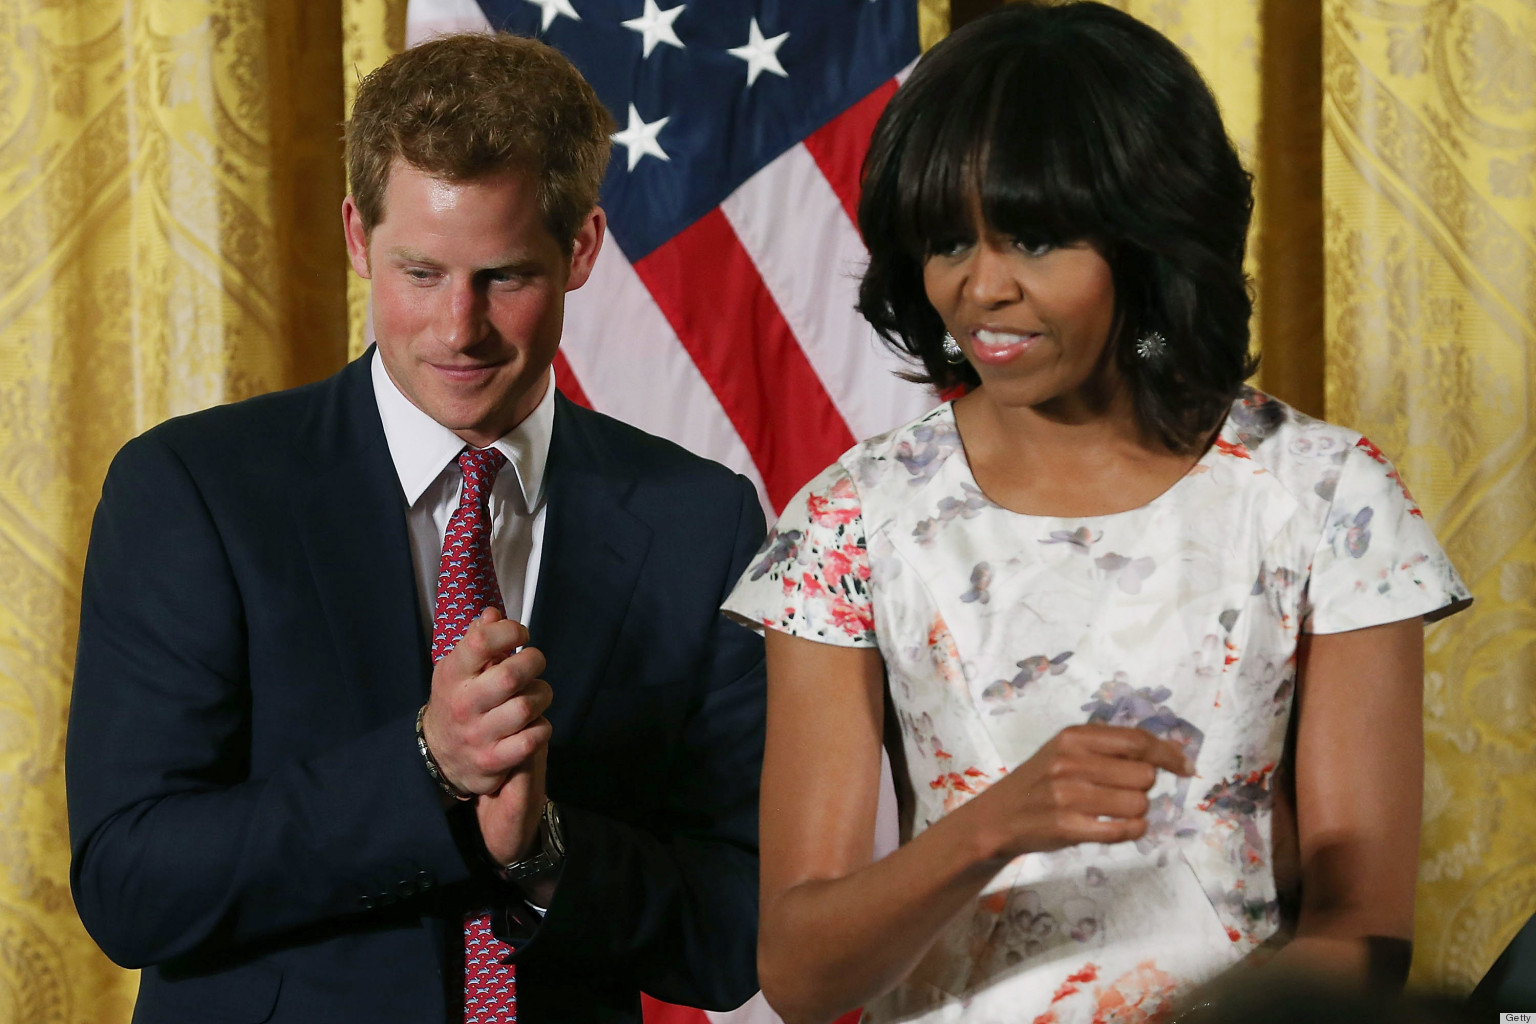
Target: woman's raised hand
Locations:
point(1088, 784)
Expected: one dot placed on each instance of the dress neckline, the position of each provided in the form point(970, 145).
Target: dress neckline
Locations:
point(1202, 465)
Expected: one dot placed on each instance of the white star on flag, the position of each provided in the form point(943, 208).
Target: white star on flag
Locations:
point(640, 138)
point(553, 9)
point(655, 25)
point(761, 54)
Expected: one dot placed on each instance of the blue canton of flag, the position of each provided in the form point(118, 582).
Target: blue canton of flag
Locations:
point(707, 93)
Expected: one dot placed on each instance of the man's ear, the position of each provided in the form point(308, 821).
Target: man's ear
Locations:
point(357, 238)
point(584, 248)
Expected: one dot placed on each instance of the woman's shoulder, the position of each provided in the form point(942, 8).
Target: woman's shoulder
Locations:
point(878, 469)
point(1262, 421)
point(908, 454)
point(1303, 454)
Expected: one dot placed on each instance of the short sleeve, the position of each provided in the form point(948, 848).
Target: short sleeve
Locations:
point(811, 578)
point(1377, 560)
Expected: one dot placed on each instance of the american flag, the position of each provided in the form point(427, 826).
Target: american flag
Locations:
point(721, 310)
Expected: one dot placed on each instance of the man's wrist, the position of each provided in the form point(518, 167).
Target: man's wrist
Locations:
point(547, 854)
point(435, 770)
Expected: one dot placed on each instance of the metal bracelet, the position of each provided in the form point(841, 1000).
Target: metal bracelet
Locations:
point(550, 853)
point(433, 769)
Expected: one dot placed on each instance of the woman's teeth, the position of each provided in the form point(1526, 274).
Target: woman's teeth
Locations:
point(999, 338)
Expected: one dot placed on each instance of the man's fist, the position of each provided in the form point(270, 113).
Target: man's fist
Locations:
point(486, 713)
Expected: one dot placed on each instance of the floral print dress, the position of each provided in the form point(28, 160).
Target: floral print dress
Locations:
point(1181, 617)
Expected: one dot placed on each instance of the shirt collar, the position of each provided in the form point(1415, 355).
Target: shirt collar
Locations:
point(421, 447)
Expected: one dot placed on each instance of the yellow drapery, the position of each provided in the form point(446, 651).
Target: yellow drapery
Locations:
point(167, 242)
point(171, 176)
point(1430, 212)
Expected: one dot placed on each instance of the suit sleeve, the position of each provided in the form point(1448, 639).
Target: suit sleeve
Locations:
point(178, 848)
point(674, 909)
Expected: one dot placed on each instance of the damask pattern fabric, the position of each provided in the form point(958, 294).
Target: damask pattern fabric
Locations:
point(1180, 617)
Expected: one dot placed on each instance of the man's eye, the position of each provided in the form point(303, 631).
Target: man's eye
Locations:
point(418, 273)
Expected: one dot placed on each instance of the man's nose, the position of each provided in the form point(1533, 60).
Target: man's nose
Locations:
point(462, 319)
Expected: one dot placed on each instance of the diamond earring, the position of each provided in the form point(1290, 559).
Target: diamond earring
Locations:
point(1151, 346)
point(952, 351)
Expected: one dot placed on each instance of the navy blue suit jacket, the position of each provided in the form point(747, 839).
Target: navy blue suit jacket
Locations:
point(249, 816)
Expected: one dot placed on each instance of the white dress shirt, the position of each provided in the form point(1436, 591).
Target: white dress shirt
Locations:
point(426, 454)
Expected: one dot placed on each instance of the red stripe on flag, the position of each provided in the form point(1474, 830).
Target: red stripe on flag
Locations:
point(709, 290)
point(654, 1011)
point(839, 146)
point(565, 380)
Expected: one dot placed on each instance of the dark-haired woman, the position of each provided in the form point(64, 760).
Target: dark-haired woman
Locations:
point(1151, 640)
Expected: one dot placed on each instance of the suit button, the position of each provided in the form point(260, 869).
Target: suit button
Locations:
point(423, 881)
point(407, 888)
point(367, 903)
point(385, 899)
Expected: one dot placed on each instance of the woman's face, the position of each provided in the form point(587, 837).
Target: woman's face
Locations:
point(1034, 320)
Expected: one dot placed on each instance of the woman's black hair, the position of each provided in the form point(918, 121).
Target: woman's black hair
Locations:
point(1071, 122)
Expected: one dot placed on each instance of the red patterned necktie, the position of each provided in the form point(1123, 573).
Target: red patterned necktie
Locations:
point(466, 586)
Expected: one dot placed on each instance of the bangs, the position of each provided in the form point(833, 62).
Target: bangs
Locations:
point(1014, 131)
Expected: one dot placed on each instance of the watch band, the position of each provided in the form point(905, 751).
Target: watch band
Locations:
point(551, 852)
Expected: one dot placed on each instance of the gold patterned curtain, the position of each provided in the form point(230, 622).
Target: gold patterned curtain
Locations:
point(169, 188)
point(171, 178)
point(1429, 163)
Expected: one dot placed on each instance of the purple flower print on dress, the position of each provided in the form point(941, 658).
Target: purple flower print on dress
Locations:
point(925, 452)
point(1357, 538)
point(1237, 802)
point(779, 547)
point(1255, 417)
point(1351, 534)
point(1276, 585)
point(950, 508)
point(981, 579)
point(1083, 918)
point(1127, 572)
point(1028, 919)
point(1030, 669)
point(1080, 539)
point(1117, 703)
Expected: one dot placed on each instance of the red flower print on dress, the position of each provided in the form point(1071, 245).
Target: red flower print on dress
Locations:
point(1365, 445)
point(852, 619)
point(1237, 451)
point(835, 565)
point(840, 505)
point(1144, 995)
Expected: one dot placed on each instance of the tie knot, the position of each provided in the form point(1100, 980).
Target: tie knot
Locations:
point(480, 466)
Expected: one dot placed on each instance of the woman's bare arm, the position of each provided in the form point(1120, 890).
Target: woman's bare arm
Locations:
point(837, 930)
point(1359, 791)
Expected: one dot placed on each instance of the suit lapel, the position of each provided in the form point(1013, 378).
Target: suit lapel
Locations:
point(351, 520)
point(592, 553)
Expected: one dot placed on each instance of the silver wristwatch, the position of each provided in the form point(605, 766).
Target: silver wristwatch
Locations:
point(547, 858)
